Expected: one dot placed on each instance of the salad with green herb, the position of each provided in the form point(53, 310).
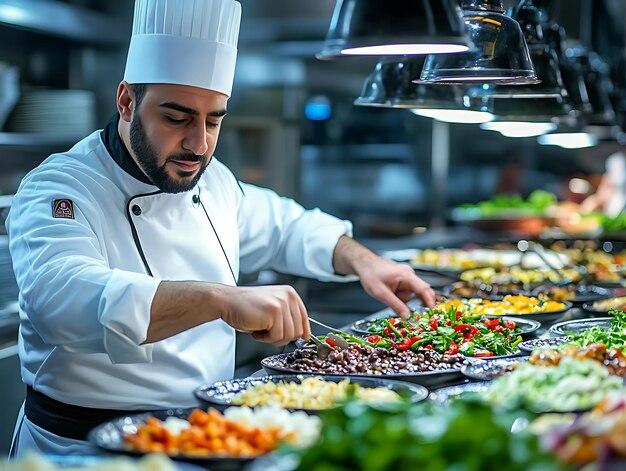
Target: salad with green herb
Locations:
point(613, 337)
point(537, 204)
point(450, 332)
point(464, 436)
point(574, 384)
point(613, 223)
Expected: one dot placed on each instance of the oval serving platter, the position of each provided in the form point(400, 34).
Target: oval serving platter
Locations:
point(275, 365)
point(529, 346)
point(542, 317)
point(220, 395)
point(489, 370)
point(578, 326)
point(109, 437)
point(442, 396)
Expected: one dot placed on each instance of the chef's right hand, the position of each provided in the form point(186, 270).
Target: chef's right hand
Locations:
point(272, 314)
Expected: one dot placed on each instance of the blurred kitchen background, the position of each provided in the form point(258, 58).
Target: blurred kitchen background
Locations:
point(292, 126)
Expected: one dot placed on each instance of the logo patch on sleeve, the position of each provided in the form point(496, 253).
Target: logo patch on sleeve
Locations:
point(63, 209)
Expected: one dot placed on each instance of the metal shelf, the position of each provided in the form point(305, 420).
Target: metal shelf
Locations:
point(51, 17)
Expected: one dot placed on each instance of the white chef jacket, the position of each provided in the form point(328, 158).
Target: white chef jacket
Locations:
point(87, 283)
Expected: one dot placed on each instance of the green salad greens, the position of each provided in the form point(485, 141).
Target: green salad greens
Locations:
point(450, 332)
point(537, 204)
point(573, 385)
point(613, 223)
point(613, 337)
point(467, 435)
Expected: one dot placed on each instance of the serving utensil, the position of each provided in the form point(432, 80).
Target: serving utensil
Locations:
point(341, 342)
point(322, 348)
point(526, 246)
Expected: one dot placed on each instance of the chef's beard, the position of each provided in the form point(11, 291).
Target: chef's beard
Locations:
point(147, 159)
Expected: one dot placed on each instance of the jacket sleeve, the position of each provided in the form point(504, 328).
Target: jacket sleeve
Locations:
point(68, 292)
point(277, 233)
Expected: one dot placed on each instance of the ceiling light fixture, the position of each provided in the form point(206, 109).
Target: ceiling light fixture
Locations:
point(543, 102)
point(500, 54)
point(398, 27)
point(391, 86)
point(456, 116)
point(519, 128)
point(568, 140)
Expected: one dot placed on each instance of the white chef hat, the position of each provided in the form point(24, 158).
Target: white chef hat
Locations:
point(184, 42)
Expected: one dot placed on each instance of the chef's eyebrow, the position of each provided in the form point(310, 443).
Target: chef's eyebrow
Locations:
point(185, 109)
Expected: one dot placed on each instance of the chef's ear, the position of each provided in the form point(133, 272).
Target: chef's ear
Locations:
point(125, 101)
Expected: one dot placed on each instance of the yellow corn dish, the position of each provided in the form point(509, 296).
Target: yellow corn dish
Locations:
point(311, 393)
point(518, 275)
point(512, 304)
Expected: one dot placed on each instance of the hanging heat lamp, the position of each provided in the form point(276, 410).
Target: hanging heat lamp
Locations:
point(500, 54)
point(397, 27)
point(391, 86)
point(530, 110)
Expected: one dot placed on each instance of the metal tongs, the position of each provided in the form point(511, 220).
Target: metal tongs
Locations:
point(526, 246)
point(323, 349)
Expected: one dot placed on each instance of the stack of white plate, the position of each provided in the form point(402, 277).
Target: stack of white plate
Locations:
point(67, 112)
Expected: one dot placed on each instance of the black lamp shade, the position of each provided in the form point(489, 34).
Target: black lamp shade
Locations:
point(544, 102)
point(599, 87)
point(391, 86)
point(500, 55)
point(395, 27)
point(571, 72)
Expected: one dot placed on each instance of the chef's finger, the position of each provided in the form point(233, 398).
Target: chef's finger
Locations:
point(275, 332)
point(304, 316)
point(289, 330)
point(405, 295)
point(422, 290)
point(296, 318)
point(385, 295)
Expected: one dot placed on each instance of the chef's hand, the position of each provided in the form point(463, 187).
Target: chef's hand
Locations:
point(391, 283)
point(272, 314)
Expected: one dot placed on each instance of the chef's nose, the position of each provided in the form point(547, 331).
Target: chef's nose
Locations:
point(196, 140)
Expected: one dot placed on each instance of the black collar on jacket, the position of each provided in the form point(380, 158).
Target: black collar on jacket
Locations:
point(118, 151)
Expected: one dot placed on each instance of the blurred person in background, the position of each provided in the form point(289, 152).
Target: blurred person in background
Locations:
point(610, 197)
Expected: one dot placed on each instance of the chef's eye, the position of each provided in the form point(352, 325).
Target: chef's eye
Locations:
point(212, 125)
point(174, 120)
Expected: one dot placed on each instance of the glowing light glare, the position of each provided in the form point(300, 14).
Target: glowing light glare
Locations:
point(579, 186)
point(518, 128)
point(11, 13)
point(569, 140)
point(456, 116)
point(405, 49)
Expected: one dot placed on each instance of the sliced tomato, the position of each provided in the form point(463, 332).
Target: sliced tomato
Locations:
point(454, 349)
point(491, 323)
point(483, 354)
point(374, 338)
point(331, 342)
point(510, 324)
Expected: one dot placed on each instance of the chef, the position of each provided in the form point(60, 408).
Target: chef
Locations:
point(127, 248)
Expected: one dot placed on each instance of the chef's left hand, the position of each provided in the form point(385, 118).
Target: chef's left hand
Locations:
point(391, 283)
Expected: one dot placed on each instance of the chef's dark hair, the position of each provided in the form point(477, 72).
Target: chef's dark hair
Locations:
point(140, 90)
